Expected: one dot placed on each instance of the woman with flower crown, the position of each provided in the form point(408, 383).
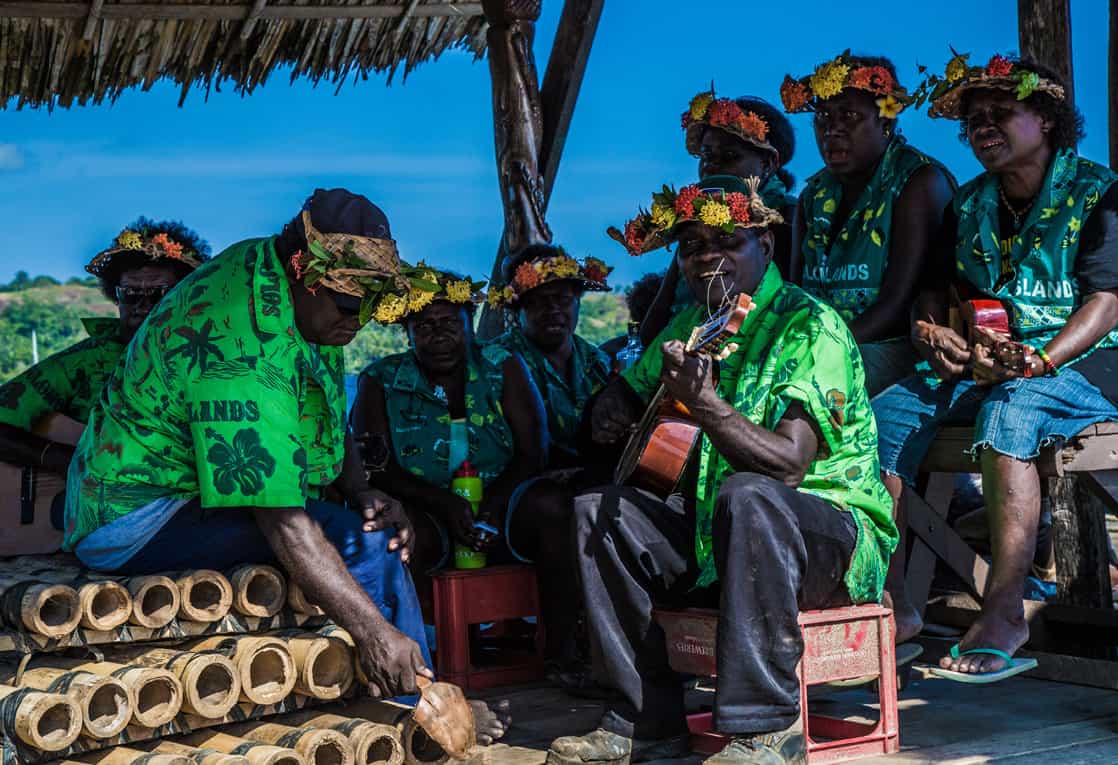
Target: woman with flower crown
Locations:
point(865, 222)
point(142, 264)
point(1037, 231)
point(746, 137)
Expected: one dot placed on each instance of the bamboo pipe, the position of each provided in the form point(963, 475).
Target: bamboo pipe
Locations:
point(157, 694)
point(334, 631)
point(125, 755)
point(49, 722)
point(105, 604)
point(319, 746)
point(298, 602)
point(155, 601)
point(206, 596)
point(325, 664)
point(373, 743)
point(105, 702)
point(197, 756)
point(266, 669)
point(253, 751)
point(48, 609)
point(211, 683)
point(258, 590)
point(419, 748)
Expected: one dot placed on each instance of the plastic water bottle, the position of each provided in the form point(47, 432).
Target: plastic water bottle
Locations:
point(466, 483)
point(633, 349)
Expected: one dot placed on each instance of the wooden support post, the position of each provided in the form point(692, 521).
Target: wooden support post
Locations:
point(556, 99)
point(1081, 544)
point(1044, 35)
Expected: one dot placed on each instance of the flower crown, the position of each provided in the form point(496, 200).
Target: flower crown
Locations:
point(706, 202)
point(158, 246)
point(832, 77)
point(1000, 73)
point(725, 114)
point(425, 286)
point(539, 271)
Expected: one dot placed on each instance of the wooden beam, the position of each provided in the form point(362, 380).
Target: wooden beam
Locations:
point(91, 20)
point(232, 11)
point(1044, 34)
point(562, 81)
point(1112, 122)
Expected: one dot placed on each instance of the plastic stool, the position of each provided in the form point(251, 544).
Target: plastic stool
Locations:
point(839, 644)
point(479, 596)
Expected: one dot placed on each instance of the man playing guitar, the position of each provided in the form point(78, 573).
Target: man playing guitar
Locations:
point(782, 509)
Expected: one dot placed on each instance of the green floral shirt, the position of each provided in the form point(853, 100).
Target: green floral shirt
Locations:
point(422, 430)
point(563, 400)
point(791, 348)
point(68, 382)
point(1032, 271)
point(846, 273)
point(219, 397)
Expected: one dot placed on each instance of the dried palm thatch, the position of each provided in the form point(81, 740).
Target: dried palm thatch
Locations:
point(57, 53)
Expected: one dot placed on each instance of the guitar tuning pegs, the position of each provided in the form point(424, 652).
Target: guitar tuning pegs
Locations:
point(727, 349)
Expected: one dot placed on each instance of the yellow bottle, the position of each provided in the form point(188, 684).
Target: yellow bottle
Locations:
point(466, 483)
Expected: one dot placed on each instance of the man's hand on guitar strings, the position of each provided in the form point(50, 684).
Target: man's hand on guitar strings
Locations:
point(612, 418)
point(687, 377)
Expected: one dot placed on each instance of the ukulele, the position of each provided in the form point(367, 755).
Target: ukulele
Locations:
point(26, 494)
point(659, 449)
point(965, 316)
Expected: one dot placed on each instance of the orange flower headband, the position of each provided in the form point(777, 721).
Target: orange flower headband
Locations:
point(832, 77)
point(725, 114)
point(534, 273)
point(156, 246)
point(722, 201)
point(999, 73)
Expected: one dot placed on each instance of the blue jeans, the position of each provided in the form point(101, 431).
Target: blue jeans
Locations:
point(223, 538)
point(1015, 418)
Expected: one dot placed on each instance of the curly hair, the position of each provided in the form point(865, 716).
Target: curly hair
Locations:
point(1067, 121)
point(146, 227)
point(641, 294)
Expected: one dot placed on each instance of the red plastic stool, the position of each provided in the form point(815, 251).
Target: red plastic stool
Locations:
point(480, 596)
point(839, 644)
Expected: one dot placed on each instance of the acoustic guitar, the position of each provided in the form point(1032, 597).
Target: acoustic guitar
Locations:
point(658, 451)
point(26, 494)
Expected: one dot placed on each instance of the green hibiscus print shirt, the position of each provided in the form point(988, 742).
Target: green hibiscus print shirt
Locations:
point(68, 382)
point(792, 348)
point(563, 399)
point(218, 397)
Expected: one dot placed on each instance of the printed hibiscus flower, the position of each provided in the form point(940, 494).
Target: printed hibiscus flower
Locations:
point(242, 466)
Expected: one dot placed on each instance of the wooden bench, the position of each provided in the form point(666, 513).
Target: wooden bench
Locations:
point(1080, 481)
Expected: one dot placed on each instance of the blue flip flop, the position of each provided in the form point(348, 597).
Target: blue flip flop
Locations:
point(1012, 667)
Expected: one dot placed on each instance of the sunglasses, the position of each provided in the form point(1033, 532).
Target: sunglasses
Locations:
point(138, 295)
point(347, 305)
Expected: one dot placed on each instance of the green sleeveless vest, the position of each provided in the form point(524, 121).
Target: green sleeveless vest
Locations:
point(422, 431)
point(1033, 271)
point(846, 273)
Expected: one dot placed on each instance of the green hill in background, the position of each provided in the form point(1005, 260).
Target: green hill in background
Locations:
point(54, 311)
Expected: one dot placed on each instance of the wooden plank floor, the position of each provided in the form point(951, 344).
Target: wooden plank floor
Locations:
point(1016, 722)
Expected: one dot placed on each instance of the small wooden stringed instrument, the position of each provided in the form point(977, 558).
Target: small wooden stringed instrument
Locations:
point(658, 451)
point(967, 315)
point(26, 494)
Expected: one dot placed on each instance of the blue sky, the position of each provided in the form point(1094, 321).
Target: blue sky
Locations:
point(235, 167)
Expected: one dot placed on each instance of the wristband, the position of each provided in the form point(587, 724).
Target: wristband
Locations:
point(1052, 368)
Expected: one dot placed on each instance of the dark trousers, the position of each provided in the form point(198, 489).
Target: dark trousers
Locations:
point(776, 550)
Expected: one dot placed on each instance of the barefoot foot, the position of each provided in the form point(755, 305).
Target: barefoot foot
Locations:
point(990, 631)
point(491, 720)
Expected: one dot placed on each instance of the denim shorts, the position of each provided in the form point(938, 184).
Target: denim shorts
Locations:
point(1016, 418)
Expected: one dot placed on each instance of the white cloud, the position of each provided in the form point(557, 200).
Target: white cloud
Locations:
point(11, 158)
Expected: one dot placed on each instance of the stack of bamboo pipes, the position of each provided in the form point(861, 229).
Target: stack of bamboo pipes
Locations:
point(55, 600)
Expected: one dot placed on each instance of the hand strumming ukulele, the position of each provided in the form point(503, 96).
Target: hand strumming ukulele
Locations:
point(658, 451)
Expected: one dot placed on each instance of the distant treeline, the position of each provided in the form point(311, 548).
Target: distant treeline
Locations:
point(54, 311)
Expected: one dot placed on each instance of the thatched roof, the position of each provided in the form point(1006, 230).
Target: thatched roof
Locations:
point(55, 53)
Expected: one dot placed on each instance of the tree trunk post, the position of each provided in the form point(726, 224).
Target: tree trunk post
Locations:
point(1044, 35)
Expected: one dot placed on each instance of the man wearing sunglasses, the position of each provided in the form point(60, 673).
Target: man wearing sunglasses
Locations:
point(142, 264)
point(222, 435)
